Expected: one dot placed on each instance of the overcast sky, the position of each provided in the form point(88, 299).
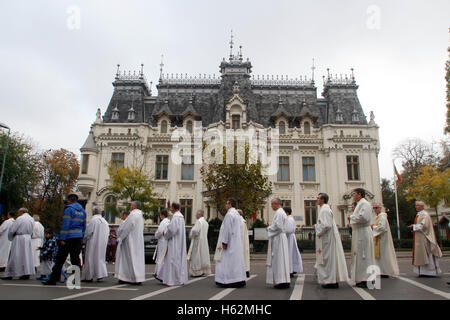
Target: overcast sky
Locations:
point(56, 72)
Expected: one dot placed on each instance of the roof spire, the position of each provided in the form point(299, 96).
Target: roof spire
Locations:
point(161, 65)
point(142, 69)
point(231, 45)
point(118, 71)
point(312, 69)
point(240, 53)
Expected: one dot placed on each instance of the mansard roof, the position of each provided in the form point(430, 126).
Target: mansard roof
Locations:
point(211, 94)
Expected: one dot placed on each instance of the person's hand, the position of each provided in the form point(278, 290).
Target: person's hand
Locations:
point(410, 226)
point(62, 243)
point(224, 246)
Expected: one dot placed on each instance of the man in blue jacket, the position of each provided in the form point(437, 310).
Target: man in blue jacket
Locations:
point(71, 237)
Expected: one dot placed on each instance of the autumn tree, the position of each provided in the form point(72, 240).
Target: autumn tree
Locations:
point(132, 183)
point(20, 174)
point(57, 176)
point(244, 182)
point(431, 186)
point(447, 79)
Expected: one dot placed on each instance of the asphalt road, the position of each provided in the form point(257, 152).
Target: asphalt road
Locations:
point(303, 287)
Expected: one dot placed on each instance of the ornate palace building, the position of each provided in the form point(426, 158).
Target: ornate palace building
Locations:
point(326, 143)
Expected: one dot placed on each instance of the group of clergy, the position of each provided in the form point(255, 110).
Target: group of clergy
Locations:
point(20, 240)
point(372, 245)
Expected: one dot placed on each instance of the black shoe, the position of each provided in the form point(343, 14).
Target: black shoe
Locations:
point(123, 282)
point(157, 278)
point(282, 285)
point(331, 286)
point(100, 279)
point(49, 283)
point(248, 274)
point(86, 280)
point(2, 269)
point(426, 276)
point(292, 275)
point(6, 278)
point(384, 276)
point(27, 277)
point(362, 284)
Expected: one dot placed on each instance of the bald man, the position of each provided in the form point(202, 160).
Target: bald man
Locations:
point(426, 251)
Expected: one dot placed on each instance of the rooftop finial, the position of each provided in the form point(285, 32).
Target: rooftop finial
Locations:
point(353, 76)
point(231, 45)
point(328, 71)
point(142, 69)
point(312, 69)
point(240, 53)
point(118, 70)
point(161, 65)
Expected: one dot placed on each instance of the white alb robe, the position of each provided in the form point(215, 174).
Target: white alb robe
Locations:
point(362, 241)
point(245, 245)
point(21, 260)
point(278, 251)
point(230, 266)
point(130, 255)
point(37, 240)
point(330, 258)
point(5, 243)
point(387, 260)
point(96, 238)
point(174, 267)
point(162, 243)
point(295, 258)
point(198, 254)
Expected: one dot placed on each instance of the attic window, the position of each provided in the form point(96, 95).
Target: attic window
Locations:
point(355, 117)
point(115, 115)
point(164, 126)
point(189, 126)
point(282, 127)
point(235, 121)
point(306, 128)
point(339, 116)
point(131, 115)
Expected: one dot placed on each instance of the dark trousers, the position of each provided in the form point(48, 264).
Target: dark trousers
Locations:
point(111, 252)
point(72, 247)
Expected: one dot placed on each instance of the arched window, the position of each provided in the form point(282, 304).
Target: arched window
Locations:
point(189, 126)
point(110, 209)
point(235, 121)
point(282, 127)
point(164, 126)
point(307, 128)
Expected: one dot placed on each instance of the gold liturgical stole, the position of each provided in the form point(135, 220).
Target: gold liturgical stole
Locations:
point(376, 241)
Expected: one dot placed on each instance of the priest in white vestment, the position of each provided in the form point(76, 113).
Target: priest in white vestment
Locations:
point(362, 240)
point(37, 240)
point(130, 256)
point(426, 251)
point(21, 262)
point(330, 264)
point(174, 267)
point(385, 257)
point(96, 239)
point(278, 272)
point(198, 254)
point(295, 259)
point(5, 243)
point(245, 243)
point(162, 242)
point(230, 265)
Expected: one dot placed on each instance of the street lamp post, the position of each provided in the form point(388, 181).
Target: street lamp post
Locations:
point(4, 154)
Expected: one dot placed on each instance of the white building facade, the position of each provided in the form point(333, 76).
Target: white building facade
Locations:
point(325, 144)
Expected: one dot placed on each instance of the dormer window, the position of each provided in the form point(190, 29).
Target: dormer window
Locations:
point(235, 121)
point(355, 117)
point(115, 114)
point(307, 128)
point(164, 126)
point(282, 127)
point(339, 117)
point(131, 114)
point(189, 126)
